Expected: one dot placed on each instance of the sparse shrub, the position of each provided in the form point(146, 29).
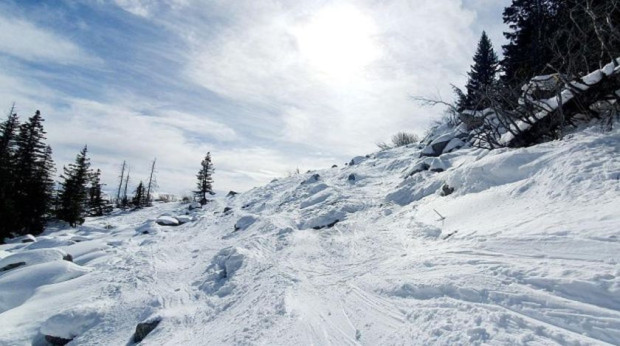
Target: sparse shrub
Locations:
point(403, 138)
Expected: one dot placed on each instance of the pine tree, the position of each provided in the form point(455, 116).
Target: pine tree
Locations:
point(205, 180)
point(96, 204)
point(532, 24)
point(42, 195)
point(33, 172)
point(139, 196)
point(73, 192)
point(481, 76)
point(8, 134)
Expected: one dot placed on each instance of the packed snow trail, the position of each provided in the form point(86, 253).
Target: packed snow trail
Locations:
point(354, 256)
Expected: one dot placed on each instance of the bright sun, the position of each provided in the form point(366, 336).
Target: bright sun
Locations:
point(338, 41)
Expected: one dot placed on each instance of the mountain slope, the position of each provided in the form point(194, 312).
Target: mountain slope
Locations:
point(526, 250)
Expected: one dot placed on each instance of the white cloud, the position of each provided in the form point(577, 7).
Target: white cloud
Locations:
point(286, 58)
point(25, 40)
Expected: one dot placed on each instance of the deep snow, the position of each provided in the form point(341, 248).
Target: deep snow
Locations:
point(526, 251)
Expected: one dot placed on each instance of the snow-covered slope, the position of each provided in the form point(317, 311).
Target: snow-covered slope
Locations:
point(526, 250)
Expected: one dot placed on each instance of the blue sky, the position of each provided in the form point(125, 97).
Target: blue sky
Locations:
point(265, 86)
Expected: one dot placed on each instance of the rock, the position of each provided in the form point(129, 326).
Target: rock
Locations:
point(351, 177)
point(165, 220)
point(29, 238)
point(184, 218)
point(313, 179)
point(195, 205)
point(68, 257)
point(436, 165)
point(227, 209)
point(436, 147)
point(329, 225)
point(143, 329)
point(357, 160)
point(453, 145)
point(12, 266)
point(446, 190)
point(244, 222)
point(419, 167)
point(31, 257)
point(54, 340)
point(232, 193)
point(334, 166)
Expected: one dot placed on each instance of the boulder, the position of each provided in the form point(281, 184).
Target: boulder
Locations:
point(446, 190)
point(334, 166)
point(454, 144)
point(166, 220)
point(227, 210)
point(232, 193)
point(55, 340)
point(28, 238)
point(313, 179)
point(351, 177)
point(357, 160)
point(143, 329)
point(244, 222)
point(436, 165)
point(184, 219)
point(419, 167)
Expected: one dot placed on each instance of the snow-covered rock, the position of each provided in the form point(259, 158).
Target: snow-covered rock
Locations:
point(31, 257)
point(70, 324)
point(312, 179)
point(166, 220)
point(16, 286)
point(244, 222)
point(184, 218)
point(194, 205)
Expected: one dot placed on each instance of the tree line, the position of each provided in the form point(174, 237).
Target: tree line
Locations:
point(29, 194)
point(559, 40)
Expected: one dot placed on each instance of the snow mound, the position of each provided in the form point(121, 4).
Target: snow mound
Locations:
point(17, 286)
point(222, 269)
point(32, 257)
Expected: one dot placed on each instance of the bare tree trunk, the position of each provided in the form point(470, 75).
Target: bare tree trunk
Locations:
point(120, 184)
point(148, 190)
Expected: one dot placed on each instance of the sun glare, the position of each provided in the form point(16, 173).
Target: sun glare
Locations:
point(338, 42)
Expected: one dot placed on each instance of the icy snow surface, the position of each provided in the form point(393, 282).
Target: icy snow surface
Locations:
point(527, 252)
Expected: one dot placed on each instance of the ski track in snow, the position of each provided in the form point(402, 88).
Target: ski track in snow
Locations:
point(534, 259)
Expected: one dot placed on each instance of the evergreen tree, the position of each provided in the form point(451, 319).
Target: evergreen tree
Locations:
point(8, 134)
point(42, 195)
point(532, 23)
point(139, 196)
point(205, 180)
point(73, 191)
point(96, 204)
point(481, 76)
point(33, 173)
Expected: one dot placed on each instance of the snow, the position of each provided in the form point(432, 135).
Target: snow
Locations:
point(532, 258)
